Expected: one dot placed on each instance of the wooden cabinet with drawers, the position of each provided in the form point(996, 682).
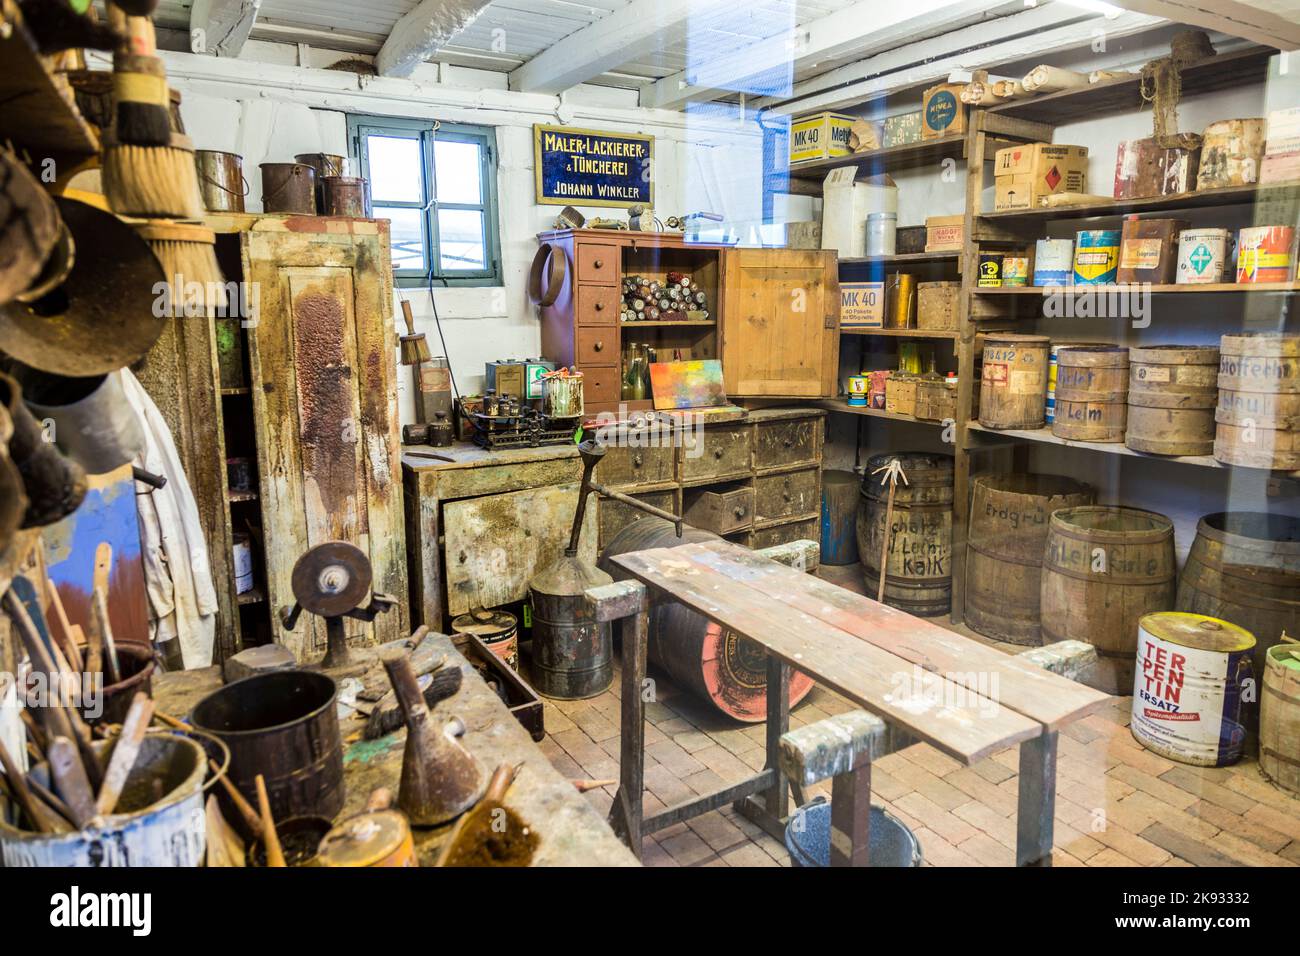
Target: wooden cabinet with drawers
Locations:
point(773, 314)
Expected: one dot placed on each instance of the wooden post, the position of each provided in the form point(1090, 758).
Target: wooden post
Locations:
point(1036, 808)
point(777, 799)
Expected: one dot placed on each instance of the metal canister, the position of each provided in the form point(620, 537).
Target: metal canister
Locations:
point(859, 388)
point(1096, 256)
point(288, 187)
point(325, 164)
point(345, 196)
point(1015, 271)
point(990, 271)
point(242, 555)
point(1053, 261)
point(221, 180)
point(562, 395)
point(1187, 688)
point(1266, 254)
point(900, 301)
point(499, 630)
point(380, 838)
point(1202, 256)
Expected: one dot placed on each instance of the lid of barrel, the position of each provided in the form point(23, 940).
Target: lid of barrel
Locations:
point(485, 623)
point(1286, 654)
point(1197, 631)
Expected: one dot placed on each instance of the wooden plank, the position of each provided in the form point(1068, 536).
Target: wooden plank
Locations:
point(1201, 198)
point(1037, 694)
point(872, 162)
point(963, 725)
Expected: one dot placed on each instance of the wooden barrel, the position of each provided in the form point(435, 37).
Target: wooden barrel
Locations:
point(839, 517)
point(918, 571)
point(1172, 391)
point(1013, 382)
point(1091, 393)
point(1258, 415)
point(1004, 550)
point(1244, 567)
point(715, 663)
point(1279, 717)
point(1103, 568)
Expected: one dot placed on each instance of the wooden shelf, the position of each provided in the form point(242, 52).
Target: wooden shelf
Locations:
point(236, 496)
point(1215, 287)
point(903, 258)
point(241, 390)
point(1124, 95)
point(886, 160)
point(904, 333)
point(842, 405)
point(1202, 198)
point(254, 596)
point(655, 324)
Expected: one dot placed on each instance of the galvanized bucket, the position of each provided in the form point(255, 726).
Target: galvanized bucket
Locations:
point(221, 180)
point(808, 838)
point(170, 831)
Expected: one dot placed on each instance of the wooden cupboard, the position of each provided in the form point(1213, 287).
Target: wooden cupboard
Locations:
point(773, 314)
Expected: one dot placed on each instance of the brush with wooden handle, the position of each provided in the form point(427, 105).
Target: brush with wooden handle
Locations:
point(498, 784)
point(125, 752)
point(71, 783)
point(270, 839)
point(245, 809)
point(37, 815)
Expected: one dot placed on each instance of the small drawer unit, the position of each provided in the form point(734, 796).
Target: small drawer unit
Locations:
point(598, 263)
point(631, 465)
point(716, 452)
point(615, 515)
point(722, 510)
point(596, 345)
point(807, 530)
point(786, 495)
point(596, 305)
point(780, 444)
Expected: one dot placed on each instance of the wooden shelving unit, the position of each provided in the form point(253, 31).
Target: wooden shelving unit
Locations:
point(842, 405)
point(903, 333)
point(1201, 199)
point(887, 159)
point(901, 259)
point(1207, 289)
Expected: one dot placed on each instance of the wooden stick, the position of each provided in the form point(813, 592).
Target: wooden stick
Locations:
point(50, 800)
point(582, 786)
point(16, 782)
point(270, 839)
point(70, 781)
point(69, 642)
point(34, 732)
point(112, 669)
point(251, 819)
point(55, 718)
point(125, 752)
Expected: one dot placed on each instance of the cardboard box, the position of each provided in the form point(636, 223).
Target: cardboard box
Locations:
point(903, 129)
point(1283, 132)
point(820, 136)
point(1024, 174)
point(862, 305)
point(942, 111)
point(945, 233)
point(846, 204)
point(1280, 168)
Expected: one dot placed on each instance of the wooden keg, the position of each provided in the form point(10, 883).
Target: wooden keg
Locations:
point(1279, 717)
point(918, 572)
point(1172, 391)
point(1013, 381)
point(1258, 415)
point(1091, 393)
point(1244, 567)
point(1004, 550)
point(1103, 568)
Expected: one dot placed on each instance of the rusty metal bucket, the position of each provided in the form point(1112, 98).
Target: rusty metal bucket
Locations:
point(325, 164)
point(221, 180)
point(345, 196)
point(288, 187)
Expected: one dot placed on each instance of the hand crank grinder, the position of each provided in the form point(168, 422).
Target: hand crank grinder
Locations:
point(331, 580)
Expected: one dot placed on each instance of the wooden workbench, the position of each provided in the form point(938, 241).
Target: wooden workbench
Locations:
point(571, 831)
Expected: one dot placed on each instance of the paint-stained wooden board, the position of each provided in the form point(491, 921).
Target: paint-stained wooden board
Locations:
point(961, 723)
point(1048, 698)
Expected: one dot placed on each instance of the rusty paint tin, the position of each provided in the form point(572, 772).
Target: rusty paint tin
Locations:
point(325, 164)
point(1202, 256)
point(221, 180)
point(345, 196)
point(288, 187)
point(1188, 687)
point(499, 630)
point(1015, 271)
point(1266, 254)
point(380, 838)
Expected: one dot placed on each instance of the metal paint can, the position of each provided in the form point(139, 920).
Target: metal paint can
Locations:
point(499, 630)
point(1266, 254)
point(1096, 256)
point(288, 187)
point(1187, 688)
point(1202, 256)
point(1015, 271)
point(243, 560)
point(380, 838)
point(221, 180)
point(1053, 261)
point(989, 275)
point(345, 196)
point(859, 389)
point(900, 301)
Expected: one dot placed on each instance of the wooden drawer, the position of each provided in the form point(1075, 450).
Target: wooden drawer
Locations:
point(786, 442)
point(783, 496)
point(785, 533)
point(715, 453)
point(598, 262)
point(615, 516)
point(636, 466)
point(600, 384)
point(720, 510)
point(596, 344)
point(597, 305)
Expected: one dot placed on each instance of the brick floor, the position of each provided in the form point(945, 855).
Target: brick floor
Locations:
point(1117, 803)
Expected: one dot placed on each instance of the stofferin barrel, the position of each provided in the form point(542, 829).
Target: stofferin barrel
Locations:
point(1258, 414)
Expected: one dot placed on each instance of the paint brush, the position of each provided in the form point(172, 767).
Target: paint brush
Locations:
point(38, 816)
point(245, 809)
point(270, 839)
point(125, 752)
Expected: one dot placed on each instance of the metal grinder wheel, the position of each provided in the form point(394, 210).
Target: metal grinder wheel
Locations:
point(331, 579)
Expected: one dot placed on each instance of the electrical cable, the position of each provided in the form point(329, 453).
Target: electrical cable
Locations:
point(437, 321)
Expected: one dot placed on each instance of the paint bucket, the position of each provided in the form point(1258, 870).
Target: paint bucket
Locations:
point(381, 838)
point(146, 831)
point(499, 630)
point(1202, 256)
point(242, 552)
point(990, 271)
point(900, 301)
point(345, 196)
point(859, 388)
point(94, 424)
point(890, 842)
point(1053, 261)
point(136, 666)
point(288, 187)
point(221, 180)
point(300, 840)
point(1015, 271)
point(1266, 254)
point(1187, 687)
point(1096, 256)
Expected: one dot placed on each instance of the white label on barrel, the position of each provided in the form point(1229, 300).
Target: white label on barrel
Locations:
point(1153, 373)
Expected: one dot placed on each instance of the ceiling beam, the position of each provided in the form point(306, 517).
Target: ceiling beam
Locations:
point(1278, 27)
point(220, 27)
point(423, 31)
point(1034, 33)
point(626, 34)
point(861, 30)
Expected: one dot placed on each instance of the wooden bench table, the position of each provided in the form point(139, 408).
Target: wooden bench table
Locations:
point(965, 699)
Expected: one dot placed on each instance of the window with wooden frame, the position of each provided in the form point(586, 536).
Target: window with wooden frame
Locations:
point(436, 184)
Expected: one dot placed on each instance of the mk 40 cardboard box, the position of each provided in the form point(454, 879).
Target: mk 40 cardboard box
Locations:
point(820, 136)
point(1026, 173)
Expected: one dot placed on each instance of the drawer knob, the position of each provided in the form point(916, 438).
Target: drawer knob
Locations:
point(637, 460)
point(599, 263)
point(600, 306)
point(787, 496)
point(788, 442)
point(599, 347)
point(717, 453)
point(739, 511)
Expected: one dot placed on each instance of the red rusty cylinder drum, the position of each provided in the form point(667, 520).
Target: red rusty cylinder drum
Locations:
point(716, 664)
point(288, 187)
point(345, 196)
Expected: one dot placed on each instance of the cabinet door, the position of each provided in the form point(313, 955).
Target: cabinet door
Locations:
point(325, 406)
point(780, 323)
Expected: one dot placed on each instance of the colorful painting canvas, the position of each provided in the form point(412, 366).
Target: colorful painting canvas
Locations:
point(693, 384)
